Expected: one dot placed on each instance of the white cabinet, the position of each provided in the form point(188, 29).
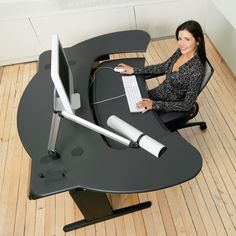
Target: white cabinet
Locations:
point(221, 29)
point(23, 38)
point(76, 26)
point(18, 41)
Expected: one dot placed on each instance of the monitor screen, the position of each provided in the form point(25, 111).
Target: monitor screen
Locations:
point(64, 71)
point(65, 98)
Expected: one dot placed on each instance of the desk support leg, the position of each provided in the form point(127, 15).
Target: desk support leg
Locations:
point(96, 207)
point(53, 136)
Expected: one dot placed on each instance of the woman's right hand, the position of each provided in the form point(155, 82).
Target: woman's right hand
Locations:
point(127, 69)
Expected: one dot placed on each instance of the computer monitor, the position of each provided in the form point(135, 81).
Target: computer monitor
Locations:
point(64, 96)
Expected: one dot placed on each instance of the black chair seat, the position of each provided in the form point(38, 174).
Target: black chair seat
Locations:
point(173, 116)
point(178, 119)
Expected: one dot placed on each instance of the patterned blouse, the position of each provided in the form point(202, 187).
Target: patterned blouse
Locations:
point(180, 89)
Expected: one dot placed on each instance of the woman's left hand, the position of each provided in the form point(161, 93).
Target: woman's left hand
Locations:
point(146, 103)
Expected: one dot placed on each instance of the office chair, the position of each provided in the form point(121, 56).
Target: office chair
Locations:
point(176, 120)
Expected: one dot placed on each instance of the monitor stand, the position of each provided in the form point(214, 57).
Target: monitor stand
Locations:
point(53, 136)
point(57, 103)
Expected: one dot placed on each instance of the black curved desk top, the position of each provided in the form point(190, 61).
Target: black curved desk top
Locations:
point(87, 161)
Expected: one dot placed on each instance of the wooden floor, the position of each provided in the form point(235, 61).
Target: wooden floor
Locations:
point(205, 205)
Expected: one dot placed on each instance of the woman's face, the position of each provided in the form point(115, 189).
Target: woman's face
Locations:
point(187, 43)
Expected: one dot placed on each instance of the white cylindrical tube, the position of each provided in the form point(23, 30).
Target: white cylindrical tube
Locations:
point(151, 145)
point(144, 141)
point(123, 128)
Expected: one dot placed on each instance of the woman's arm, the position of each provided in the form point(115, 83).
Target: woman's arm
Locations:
point(152, 69)
point(160, 68)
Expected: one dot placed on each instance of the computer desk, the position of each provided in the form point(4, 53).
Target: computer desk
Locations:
point(90, 165)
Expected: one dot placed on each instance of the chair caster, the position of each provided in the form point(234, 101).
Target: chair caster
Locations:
point(203, 126)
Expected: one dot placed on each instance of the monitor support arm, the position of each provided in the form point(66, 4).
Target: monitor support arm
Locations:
point(56, 119)
point(98, 129)
point(135, 138)
point(63, 114)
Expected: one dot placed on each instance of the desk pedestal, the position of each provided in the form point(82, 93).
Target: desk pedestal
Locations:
point(96, 207)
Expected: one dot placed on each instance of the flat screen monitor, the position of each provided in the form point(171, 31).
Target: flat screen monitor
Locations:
point(62, 77)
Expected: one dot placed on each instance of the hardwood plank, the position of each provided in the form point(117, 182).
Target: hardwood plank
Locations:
point(202, 207)
point(214, 220)
point(79, 216)
point(166, 214)
point(190, 212)
point(4, 103)
point(50, 217)
point(60, 214)
point(1, 71)
point(30, 219)
point(175, 211)
point(69, 211)
point(110, 227)
point(100, 229)
point(21, 209)
point(139, 224)
point(40, 217)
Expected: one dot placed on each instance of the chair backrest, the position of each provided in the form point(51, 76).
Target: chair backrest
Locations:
point(208, 73)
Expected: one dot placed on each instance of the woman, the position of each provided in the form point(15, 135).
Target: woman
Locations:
point(184, 72)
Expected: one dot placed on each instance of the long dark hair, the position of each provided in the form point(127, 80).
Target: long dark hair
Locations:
point(195, 29)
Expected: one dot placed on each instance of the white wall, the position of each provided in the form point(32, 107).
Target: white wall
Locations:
point(227, 9)
point(222, 31)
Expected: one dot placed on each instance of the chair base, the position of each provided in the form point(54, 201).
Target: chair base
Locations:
point(202, 125)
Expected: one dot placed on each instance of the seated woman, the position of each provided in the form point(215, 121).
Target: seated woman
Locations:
point(184, 72)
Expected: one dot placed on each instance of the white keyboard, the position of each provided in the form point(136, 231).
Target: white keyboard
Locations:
point(132, 92)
